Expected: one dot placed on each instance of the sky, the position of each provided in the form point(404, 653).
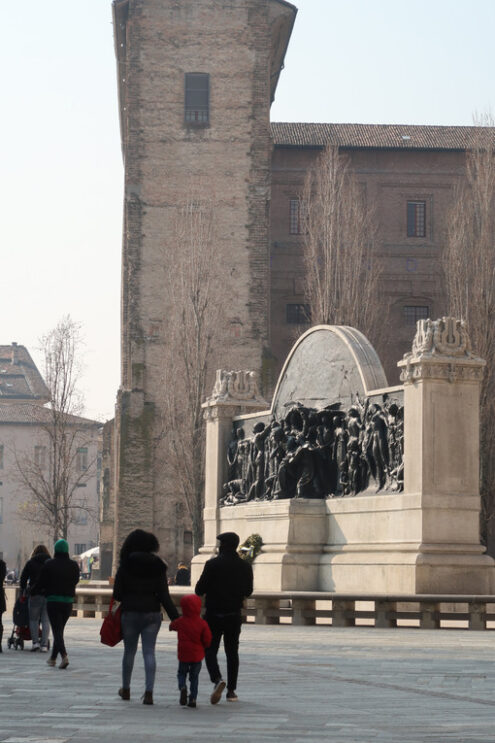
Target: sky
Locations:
point(355, 61)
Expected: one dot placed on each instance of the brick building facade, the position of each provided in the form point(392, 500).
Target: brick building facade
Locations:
point(196, 79)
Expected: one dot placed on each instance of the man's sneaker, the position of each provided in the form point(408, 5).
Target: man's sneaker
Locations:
point(35, 648)
point(217, 692)
point(231, 696)
point(51, 662)
point(192, 703)
point(44, 649)
point(64, 663)
point(125, 694)
point(183, 697)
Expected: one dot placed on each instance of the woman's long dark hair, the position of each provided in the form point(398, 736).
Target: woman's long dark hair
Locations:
point(40, 550)
point(138, 541)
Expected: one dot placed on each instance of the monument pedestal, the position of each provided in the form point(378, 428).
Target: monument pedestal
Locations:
point(422, 540)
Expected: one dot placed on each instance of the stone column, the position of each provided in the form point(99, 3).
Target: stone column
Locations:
point(442, 379)
point(234, 393)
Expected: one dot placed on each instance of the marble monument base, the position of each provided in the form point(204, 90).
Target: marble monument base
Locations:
point(391, 543)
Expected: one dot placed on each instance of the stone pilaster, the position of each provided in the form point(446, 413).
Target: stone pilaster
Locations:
point(442, 379)
point(234, 393)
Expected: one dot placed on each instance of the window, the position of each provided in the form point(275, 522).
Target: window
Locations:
point(79, 549)
point(1, 457)
point(197, 98)
point(40, 457)
point(188, 537)
point(82, 459)
point(415, 312)
point(295, 216)
point(416, 218)
point(80, 515)
point(298, 314)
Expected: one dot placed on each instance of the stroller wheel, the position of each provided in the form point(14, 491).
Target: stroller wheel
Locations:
point(21, 644)
point(9, 643)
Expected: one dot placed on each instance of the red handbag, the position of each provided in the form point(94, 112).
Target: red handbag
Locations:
point(111, 629)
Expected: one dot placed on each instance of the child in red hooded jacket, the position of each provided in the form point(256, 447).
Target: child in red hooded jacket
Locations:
point(193, 635)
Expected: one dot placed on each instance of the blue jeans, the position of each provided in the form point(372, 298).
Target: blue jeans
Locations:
point(193, 670)
point(134, 625)
point(38, 613)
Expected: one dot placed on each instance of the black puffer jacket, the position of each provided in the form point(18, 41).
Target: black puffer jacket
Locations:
point(141, 584)
point(58, 577)
point(227, 581)
point(31, 572)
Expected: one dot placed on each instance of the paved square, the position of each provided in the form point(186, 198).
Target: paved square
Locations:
point(297, 684)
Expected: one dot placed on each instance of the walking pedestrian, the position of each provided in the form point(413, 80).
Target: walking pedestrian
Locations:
point(193, 636)
point(226, 581)
point(57, 581)
point(3, 603)
point(141, 587)
point(36, 602)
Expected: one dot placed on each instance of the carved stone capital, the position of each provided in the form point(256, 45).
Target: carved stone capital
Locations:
point(441, 350)
point(236, 388)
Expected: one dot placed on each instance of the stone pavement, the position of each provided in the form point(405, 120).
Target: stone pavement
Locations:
point(297, 684)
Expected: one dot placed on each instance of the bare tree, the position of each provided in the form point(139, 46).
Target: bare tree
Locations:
point(469, 269)
point(339, 228)
point(193, 289)
point(62, 461)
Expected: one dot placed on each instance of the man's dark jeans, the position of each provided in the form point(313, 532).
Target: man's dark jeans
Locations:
point(228, 625)
point(58, 614)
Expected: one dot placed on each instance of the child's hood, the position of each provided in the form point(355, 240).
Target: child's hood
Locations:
point(190, 605)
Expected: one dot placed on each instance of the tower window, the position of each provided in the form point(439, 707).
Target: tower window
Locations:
point(416, 218)
point(197, 98)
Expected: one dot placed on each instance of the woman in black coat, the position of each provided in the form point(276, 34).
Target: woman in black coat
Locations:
point(3, 604)
point(57, 581)
point(141, 587)
point(37, 603)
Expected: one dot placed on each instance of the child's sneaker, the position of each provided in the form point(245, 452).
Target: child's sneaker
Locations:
point(191, 703)
point(231, 696)
point(183, 697)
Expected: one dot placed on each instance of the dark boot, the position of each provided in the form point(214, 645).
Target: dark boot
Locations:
point(148, 697)
point(1, 635)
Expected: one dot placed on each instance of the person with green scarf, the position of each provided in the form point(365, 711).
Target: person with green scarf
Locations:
point(57, 581)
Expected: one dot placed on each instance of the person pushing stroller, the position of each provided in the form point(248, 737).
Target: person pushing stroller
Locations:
point(193, 637)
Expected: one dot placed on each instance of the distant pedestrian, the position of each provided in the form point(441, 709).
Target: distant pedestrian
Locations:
point(3, 603)
point(226, 581)
point(183, 575)
point(141, 587)
point(57, 581)
point(193, 636)
point(36, 602)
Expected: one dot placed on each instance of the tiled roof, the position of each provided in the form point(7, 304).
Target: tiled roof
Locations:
point(27, 412)
point(19, 376)
point(381, 136)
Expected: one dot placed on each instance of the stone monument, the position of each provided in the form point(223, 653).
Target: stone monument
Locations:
point(352, 485)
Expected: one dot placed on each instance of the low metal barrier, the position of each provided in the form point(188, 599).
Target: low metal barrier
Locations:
point(305, 608)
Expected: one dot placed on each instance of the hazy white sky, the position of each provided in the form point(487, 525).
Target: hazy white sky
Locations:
point(367, 61)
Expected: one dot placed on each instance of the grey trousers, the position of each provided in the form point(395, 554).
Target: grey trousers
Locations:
point(37, 614)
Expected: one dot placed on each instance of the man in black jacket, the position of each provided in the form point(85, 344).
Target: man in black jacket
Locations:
point(226, 581)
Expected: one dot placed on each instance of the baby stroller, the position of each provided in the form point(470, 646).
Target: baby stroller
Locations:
point(20, 631)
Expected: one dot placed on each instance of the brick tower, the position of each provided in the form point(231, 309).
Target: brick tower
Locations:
point(196, 79)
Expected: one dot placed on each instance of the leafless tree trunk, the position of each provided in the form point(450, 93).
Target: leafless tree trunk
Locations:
point(63, 462)
point(193, 289)
point(342, 272)
point(469, 269)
